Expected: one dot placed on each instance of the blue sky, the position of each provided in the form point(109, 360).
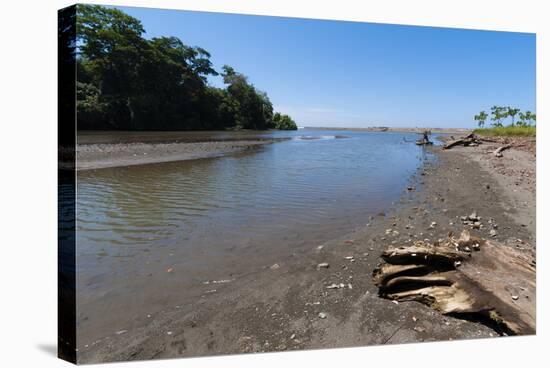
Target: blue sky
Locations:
point(349, 74)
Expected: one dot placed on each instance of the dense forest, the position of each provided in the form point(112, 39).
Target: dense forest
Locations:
point(128, 82)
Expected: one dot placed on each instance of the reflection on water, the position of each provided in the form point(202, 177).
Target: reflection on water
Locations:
point(218, 218)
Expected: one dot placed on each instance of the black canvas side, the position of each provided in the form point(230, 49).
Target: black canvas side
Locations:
point(66, 184)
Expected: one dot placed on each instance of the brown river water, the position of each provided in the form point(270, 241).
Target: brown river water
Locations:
point(149, 236)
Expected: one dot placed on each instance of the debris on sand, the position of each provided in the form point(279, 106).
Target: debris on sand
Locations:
point(472, 220)
point(322, 315)
point(474, 217)
point(323, 265)
point(469, 140)
point(472, 140)
point(498, 151)
point(275, 266)
point(218, 281)
point(453, 281)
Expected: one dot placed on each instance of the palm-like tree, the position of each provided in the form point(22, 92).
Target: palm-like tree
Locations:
point(480, 118)
point(498, 113)
point(512, 113)
point(530, 117)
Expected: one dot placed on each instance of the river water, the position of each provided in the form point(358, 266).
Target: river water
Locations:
point(148, 235)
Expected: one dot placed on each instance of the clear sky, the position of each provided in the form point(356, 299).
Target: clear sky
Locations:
point(349, 74)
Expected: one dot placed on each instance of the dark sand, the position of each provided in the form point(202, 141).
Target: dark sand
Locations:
point(279, 307)
point(101, 155)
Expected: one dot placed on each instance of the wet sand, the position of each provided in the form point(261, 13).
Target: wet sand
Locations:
point(287, 305)
point(102, 155)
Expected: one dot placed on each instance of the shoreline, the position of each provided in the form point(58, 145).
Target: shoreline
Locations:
point(399, 130)
point(279, 307)
point(104, 155)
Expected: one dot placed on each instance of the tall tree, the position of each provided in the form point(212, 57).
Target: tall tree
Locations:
point(284, 122)
point(512, 112)
point(128, 82)
point(498, 113)
point(529, 117)
point(254, 109)
point(481, 118)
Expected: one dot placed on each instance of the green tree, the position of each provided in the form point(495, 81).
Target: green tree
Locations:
point(499, 114)
point(254, 109)
point(512, 112)
point(284, 122)
point(522, 120)
point(529, 117)
point(481, 118)
point(128, 82)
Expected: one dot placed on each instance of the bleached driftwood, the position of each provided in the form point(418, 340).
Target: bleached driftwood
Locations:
point(467, 276)
point(470, 139)
point(498, 151)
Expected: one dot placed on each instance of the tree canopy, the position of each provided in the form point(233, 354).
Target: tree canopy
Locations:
point(284, 122)
point(128, 82)
point(500, 113)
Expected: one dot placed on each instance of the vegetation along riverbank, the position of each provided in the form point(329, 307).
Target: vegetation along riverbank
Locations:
point(129, 82)
point(521, 123)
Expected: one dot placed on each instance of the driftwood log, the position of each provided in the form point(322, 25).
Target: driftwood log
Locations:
point(469, 140)
point(498, 151)
point(483, 139)
point(469, 277)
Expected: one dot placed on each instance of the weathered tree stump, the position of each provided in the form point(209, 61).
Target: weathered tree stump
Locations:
point(468, 276)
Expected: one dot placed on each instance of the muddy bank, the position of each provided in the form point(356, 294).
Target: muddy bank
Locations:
point(102, 155)
point(324, 297)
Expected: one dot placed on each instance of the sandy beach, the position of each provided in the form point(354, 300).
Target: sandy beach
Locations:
point(102, 155)
point(287, 305)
